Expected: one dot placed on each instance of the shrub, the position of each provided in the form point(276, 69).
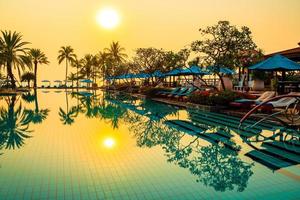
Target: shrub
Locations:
point(201, 97)
point(216, 98)
point(223, 98)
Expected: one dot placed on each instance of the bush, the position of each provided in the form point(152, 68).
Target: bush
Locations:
point(201, 97)
point(217, 98)
point(223, 98)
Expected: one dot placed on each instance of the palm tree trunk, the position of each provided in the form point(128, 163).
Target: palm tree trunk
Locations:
point(28, 83)
point(77, 77)
point(36, 101)
point(66, 72)
point(35, 75)
point(11, 109)
point(11, 75)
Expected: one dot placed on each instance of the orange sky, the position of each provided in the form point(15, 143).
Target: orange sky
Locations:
point(169, 24)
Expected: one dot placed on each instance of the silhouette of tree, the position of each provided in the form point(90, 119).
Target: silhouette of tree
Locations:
point(13, 53)
point(36, 56)
point(66, 53)
point(14, 125)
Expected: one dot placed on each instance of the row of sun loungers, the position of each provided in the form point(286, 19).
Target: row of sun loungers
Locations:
point(179, 92)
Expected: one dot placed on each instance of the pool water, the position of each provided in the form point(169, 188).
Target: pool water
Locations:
point(98, 145)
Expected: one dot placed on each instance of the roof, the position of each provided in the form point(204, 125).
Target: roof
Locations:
point(276, 63)
point(293, 54)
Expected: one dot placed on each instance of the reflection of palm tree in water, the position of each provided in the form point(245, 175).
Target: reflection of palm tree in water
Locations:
point(37, 115)
point(68, 117)
point(14, 124)
point(221, 168)
point(112, 113)
point(214, 165)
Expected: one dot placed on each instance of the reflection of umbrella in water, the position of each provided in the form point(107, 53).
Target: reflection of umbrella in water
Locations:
point(86, 94)
point(86, 81)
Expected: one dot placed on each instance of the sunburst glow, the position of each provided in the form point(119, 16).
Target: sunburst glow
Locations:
point(109, 142)
point(108, 18)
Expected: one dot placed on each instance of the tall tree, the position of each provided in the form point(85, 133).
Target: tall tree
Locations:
point(37, 57)
point(13, 53)
point(87, 66)
point(66, 53)
point(116, 54)
point(28, 76)
point(222, 45)
point(103, 60)
point(77, 63)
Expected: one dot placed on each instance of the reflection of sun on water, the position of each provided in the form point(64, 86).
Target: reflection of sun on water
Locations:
point(109, 142)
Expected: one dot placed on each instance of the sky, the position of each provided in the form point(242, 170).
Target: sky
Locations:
point(168, 24)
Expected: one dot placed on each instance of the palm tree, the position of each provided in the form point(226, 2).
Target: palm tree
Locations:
point(13, 53)
point(87, 66)
point(116, 53)
point(66, 53)
point(78, 64)
point(102, 61)
point(37, 57)
point(72, 77)
point(28, 76)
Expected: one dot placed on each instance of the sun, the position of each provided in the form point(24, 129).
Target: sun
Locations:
point(108, 18)
point(109, 142)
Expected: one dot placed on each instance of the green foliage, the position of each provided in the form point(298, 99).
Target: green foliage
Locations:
point(292, 77)
point(224, 45)
point(200, 97)
point(223, 97)
point(218, 98)
point(28, 76)
point(13, 54)
point(149, 60)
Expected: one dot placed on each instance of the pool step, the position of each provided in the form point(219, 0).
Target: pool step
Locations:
point(284, 146)
point(236, 120)
point(268, 160)
point(208, 121)
point(282, 154)
point(189, 126)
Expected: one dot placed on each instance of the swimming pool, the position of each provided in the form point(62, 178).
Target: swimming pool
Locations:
point(97, 145)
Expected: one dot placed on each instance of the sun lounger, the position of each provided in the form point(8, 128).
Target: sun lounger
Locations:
point(169, 92)
point(265, 96)
point(246, 103)
point(176, 93)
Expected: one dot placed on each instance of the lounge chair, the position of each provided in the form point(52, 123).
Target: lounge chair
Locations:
point(168, 92)
point(246, 103)
point(264, 97)
point(186, 93)
point(284, 102)
point(181, 91)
